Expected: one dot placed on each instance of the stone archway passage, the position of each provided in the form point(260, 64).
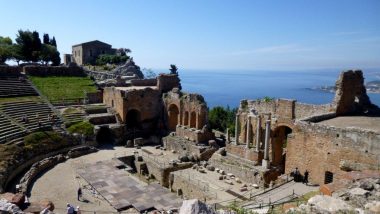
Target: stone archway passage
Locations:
point(173, 113)
point(279, 143)
point(133, 119)
point(193, 120)
point(104, 136)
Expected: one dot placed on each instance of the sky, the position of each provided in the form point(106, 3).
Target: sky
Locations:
point(212, 34)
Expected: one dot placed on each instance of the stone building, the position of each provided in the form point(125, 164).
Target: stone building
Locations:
point(279, 135)
point(88, 52)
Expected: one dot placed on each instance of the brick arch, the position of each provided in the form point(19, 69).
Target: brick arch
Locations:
point(278, 145)
point(173, 117)
point(193, 119)
point(186, 118)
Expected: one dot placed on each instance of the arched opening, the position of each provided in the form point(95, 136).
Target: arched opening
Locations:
point(104, 136)
point(193, 120)
point(186, 119)
point(279, 143)
point(133, 119)
point(329, 177)
point(173, 113)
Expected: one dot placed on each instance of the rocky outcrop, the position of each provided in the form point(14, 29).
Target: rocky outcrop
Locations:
point(351, 95)
point(359, 196)
point(195, 206)
point(323, 204)
point(129, 69)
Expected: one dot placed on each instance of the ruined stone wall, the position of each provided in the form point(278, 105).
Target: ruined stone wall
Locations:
point(303, 110)
point(285, 109)
point(243, 152)
point(240, 167)
point(351, 95)
point(10, 71)
point(43, 71)
point(114, 98)
point(318, 149)
point(95, 97)
point(144, 82)
point(191, 109)
point(194, 135)
point(166, 82)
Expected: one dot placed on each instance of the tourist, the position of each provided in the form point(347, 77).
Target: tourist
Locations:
point(49, 117)
point(306, 177)
point(79, 195)
point(39, 123)
point(70, 209)
point(78, 211)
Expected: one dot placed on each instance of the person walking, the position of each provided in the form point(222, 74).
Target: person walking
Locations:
point(306, 177)
point(79, 193)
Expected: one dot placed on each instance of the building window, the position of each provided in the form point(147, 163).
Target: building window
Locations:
point(90, 52)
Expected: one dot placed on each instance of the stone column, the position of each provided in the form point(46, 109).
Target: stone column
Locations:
point(248, 131)
point(228, 135)
point(237, 129)
point(265, 162)
point(258, 134)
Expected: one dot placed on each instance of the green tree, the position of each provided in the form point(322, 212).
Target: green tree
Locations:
point(46, 39)
point(111, 59)
point(47, 53)
point(30, 45)
point(221, 118)
point(5, 49)
point(173, 69)
point(53, 42)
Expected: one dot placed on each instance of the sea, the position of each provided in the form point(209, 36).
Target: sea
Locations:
point(229, 87)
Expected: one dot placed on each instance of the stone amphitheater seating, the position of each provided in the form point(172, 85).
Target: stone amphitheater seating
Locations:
point(15, 87)
point(8, 129)
point(34, 110)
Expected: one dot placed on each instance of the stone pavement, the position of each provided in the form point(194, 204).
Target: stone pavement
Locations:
point(122, 191)
point(280, 194)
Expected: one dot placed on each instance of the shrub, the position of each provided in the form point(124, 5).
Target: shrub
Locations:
point(43, 139)
point(84, 127)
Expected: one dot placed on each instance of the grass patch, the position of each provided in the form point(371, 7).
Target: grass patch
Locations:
point(71, 110)
point(84, 127)
point(58, 88)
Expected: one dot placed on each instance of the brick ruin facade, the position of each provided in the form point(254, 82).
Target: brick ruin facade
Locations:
point(159, 109)
point(280, 135)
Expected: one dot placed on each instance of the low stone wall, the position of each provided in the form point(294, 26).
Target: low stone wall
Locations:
point(189, 189)
point(144, 82)
point(49, 162)
point(185, 147)
point(9, 71)
point(44, 71)
point(162, 171)
point(241, 168)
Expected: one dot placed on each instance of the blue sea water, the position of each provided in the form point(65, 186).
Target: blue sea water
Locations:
point(222, 88)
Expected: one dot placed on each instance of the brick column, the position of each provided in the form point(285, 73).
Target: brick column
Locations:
point(237, 130)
